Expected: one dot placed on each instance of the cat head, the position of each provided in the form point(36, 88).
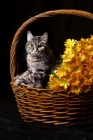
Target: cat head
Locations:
point(36, 45)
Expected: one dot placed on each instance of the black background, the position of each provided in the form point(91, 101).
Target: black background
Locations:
point(12, 14)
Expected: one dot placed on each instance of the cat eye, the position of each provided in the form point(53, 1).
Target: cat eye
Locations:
point(31, 45)
point(40, 46)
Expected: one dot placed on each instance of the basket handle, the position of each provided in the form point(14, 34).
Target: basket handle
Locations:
point(22, 28)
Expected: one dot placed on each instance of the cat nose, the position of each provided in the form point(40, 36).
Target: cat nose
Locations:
point(35, 49)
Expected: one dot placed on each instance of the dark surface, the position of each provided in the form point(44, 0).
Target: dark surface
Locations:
point(12, 14)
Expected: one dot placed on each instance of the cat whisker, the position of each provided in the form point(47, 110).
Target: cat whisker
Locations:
point(45, 57)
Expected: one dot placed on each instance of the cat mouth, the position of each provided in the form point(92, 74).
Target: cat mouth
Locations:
point(34, 54)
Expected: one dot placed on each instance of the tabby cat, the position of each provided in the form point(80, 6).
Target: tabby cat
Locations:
point(40, 61)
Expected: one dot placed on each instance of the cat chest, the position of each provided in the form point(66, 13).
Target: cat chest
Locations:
point(35, 66)
point(38, 66)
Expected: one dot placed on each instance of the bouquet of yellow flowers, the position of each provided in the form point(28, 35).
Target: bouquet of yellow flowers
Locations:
point(75, 73)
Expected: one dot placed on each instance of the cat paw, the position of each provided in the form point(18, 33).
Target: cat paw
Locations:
point(30, 85)
point(17, 82)
point(16, 77)
point(22, 84)
point(38, 85)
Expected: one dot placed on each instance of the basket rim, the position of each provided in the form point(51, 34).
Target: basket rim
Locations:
point(48, 92)
point(37, 89)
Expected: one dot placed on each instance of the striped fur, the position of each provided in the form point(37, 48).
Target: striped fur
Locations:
point(40, 61)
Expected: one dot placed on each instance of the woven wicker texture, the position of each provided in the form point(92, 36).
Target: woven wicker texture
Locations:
point(45, 105)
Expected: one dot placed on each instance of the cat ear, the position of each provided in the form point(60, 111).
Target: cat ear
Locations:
point(29, 36)
point(44, 37)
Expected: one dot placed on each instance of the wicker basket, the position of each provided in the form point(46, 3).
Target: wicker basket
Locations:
point(47, 106)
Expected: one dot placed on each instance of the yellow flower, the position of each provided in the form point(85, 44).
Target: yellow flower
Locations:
point(75, 89)
point(69, 57)
point(70, 42)
point(84, 40)
point(88, 47)
point(63, 83)
point(53, 83)
point(51, 76)
point(90, 52)
point(75, 73)
point(81, 56)
point(91, 38)
point(60, 72)
point(66, 67)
